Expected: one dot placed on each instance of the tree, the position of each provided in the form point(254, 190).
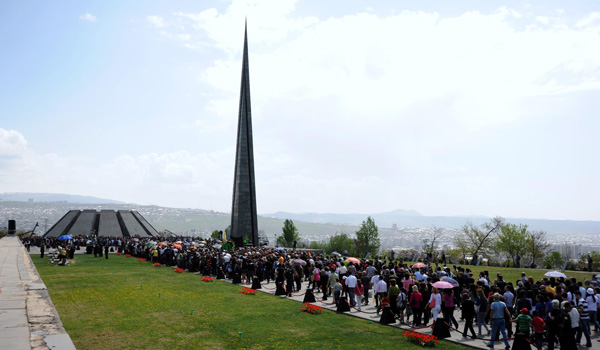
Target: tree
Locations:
point(512, 240)
point(216, 234)
point(480, 239)
point(430, 243)
point(367, 238)
point(290, 234)
point(553, 261)
point(536, 247)
point(341, 243)
point(462, 247)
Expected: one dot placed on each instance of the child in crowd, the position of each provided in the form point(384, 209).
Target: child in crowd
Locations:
point(538, 327)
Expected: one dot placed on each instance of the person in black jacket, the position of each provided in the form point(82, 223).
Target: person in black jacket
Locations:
point(468, 313)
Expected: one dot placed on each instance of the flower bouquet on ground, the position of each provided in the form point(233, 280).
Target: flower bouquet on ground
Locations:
point(128, 255)
point(248, 291)
point(420, 338)
point(208, 279)
point(311, 309)
point(141, 260)
point(157, 265)
point(179, 270)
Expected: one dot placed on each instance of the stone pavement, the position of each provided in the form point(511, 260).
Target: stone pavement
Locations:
point(369, 312)
point(28, 319)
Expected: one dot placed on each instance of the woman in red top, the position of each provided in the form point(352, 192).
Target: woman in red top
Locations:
point(415, 304)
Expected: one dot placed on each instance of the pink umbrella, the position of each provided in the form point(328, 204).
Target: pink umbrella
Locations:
point(418, 265)
point(443, 285)
point(353, 260)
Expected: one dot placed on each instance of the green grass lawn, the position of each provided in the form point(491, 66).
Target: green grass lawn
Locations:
point(115, 304)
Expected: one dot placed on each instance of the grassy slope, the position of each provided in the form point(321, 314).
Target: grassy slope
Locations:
point(115, 303)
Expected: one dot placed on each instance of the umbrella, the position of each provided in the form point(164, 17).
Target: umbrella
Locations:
point(443, 285)
point(555, 274)
point(88, 242)
point(65, 237)
point(163, 244)
point(451, 281)
point(136, 239)
point(178, 246)
point(336, 254)
point(217, 246)
point(299, 262)
point(179, 242)
point(418, 265)
point(353, 260)
point(279, 248)
point(150, 243)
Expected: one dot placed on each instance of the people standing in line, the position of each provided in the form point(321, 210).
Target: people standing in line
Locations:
point(434, 303)
point(415, 301)
point(523, 321)
point(468, 313)
point(482, 308)
point(498, 310)
point(359, 290)
point(380, 292)
point(448, 310)
point(350, 285)
point(584, 320)
point(593, 300)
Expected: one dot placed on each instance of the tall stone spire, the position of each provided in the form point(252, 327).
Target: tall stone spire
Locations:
point(244, 225)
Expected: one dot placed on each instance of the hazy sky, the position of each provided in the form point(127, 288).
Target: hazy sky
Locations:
point(486, 108)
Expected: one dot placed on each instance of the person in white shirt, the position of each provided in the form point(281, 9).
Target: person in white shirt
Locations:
point(350, 285)
point(380, 291)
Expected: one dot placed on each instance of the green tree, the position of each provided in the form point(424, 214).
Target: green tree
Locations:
point(289, 234)
point(512, 241)
point(367, 238)
point(553, 261)
point(215, 234)
point(430, 244)
point(341, 243)
point(480, 239)
point(536, 247)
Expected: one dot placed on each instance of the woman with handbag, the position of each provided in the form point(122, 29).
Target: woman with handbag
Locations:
point(415, 304)
point(435, 303)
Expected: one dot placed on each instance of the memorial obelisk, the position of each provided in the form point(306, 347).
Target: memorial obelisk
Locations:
point(244, 225)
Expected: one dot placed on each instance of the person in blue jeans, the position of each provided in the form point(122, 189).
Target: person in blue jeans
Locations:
point(497, 311)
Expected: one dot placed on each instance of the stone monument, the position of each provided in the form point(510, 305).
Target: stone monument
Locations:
point(244, 224)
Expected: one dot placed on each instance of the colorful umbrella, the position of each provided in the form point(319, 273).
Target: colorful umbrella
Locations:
point(164, 244)
point(65, 237)
point(452, 281)
point(418, 265)
point(443, 285)
point(150, 243)
point(353, 260)
point(298, 262)
point(178, 246)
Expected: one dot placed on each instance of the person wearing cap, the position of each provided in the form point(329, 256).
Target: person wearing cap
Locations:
point(523, 321)
point(592, 300)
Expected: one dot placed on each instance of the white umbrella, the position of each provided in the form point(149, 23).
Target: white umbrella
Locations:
point(555, 274)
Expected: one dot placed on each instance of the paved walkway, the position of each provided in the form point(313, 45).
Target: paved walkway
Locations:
point(28, 319)
point(369, 313)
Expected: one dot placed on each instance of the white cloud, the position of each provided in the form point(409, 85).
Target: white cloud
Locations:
point(88, 17)
point(396, 100)
point(156, 21)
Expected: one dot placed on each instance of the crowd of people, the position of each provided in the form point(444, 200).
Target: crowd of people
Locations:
point(551, 311)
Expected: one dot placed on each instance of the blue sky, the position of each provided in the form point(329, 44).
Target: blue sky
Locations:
point(485, 108)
